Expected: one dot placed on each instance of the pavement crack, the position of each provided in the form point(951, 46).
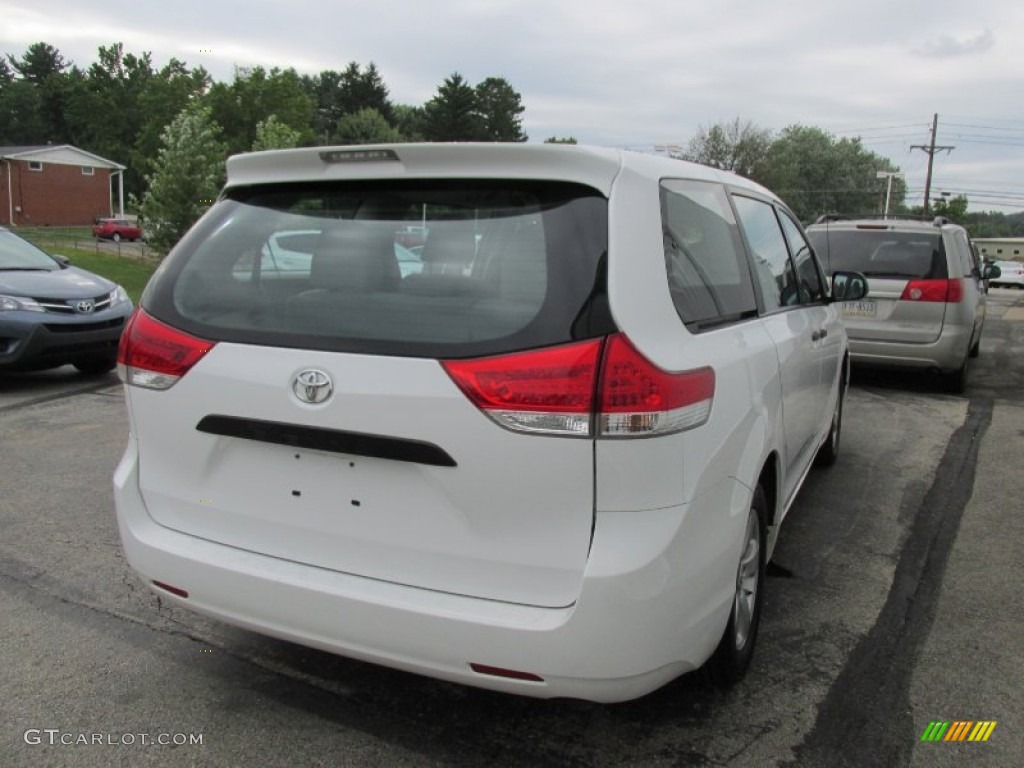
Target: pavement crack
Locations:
point(848, 730)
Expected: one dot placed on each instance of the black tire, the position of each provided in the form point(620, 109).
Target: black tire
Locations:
point(731, 659)
point(975, 348)
point(96, 366)
point(829, 450)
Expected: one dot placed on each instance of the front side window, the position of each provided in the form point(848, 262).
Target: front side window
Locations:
point(809, 283)
point(416, 268)
point(708, 276)
point(772, 266)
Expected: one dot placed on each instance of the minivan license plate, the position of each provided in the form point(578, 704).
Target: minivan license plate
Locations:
point(860, 309)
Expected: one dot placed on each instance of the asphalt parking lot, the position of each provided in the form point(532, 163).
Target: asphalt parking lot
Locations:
point(892, 603)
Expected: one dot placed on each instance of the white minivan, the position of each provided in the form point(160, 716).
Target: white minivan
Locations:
point(552, 460)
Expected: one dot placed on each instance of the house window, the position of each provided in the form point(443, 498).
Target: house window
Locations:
point(88, 170)
point(35, 165)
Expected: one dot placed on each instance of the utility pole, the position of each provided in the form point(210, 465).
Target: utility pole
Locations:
point(931, 149)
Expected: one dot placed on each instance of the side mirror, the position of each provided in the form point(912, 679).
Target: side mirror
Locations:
point(849, 286)
point(63, 260)
point(992, 272)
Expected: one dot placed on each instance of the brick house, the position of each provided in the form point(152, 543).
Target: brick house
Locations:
point(56, 186)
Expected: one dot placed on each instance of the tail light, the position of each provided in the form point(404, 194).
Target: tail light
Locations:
point(154, 355)
point(638, 398)
point(603, 387)
point(947, 291)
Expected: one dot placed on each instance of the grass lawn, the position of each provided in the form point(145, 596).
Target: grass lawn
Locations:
point(132, 275)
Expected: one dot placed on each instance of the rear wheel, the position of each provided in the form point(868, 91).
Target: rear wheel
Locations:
point(736, 648)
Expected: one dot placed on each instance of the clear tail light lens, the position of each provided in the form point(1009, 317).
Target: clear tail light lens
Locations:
point(154, 355)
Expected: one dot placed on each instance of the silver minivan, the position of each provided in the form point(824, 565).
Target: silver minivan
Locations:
point(925, 307)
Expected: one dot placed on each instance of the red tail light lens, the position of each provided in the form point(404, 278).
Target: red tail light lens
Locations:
point(638, 398)
point(549, 390)
point(560, 391)
point(154, 355)
point(947, 291)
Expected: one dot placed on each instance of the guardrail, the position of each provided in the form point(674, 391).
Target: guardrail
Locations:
point(81, 239)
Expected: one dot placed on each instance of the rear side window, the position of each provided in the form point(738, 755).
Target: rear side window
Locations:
point(882, 253)
point(413, 268)
point(708, 274)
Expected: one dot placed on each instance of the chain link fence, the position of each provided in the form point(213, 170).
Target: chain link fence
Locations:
point(81, 239)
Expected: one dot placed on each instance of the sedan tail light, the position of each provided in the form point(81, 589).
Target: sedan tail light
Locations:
point(602, 387)
point(154, 355)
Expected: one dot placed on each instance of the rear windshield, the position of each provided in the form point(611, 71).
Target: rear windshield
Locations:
point(881, 253)
point(414, 268)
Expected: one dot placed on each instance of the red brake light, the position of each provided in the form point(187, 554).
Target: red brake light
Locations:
point(154, 355)
point(548, 390)
point(948, 291)
point(558, 390)
point(638, 398)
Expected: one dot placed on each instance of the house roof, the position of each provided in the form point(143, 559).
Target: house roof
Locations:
point(58, 154)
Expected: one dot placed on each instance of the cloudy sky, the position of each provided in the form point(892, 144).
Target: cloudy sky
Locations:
point(633, 74)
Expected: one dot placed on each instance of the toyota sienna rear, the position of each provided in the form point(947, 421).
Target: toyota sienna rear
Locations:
point(546, 451)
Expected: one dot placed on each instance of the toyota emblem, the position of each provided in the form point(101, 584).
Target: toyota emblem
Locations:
point(85, 306)
point(313, 386)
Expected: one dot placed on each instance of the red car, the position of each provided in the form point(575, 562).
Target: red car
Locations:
point(116, 230)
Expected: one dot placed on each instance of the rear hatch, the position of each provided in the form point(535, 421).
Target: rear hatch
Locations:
point(908, 281)
point(319, 424)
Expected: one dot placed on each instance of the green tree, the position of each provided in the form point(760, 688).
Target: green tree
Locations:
point(21, 114)
point(170, 90)
point(256, 94)
point(409, 121)
point(273, 134)
point(736, 146)
point(33, 98)
point(40, 62)
point(188, 174)
point(815, 173)
point(500, 106)
point(954, 209)
point(361, 89)
point(367, 126)
point(452, 115)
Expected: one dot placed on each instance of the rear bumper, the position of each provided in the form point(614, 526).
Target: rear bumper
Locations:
point(947, 353)
point(653, 603)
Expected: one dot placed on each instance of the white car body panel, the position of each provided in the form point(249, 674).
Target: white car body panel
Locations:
point(606, 567)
